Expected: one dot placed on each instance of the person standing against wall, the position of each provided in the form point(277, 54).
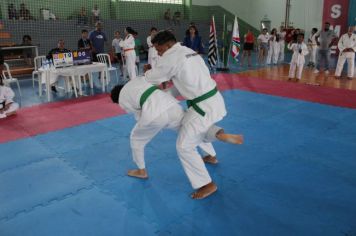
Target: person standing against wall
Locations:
point(248, 47)
point(325, 40)
point(97, 38)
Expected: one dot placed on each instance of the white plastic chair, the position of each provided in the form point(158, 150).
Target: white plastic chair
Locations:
point(8, 79)
point(105, 58)
point(37, 63)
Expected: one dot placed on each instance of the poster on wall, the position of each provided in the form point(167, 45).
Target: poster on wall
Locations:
point(336, 13)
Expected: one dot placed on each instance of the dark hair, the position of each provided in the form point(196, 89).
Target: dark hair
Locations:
point(327, 23)
point(192, 27)
point(115, 93)
point(130, 30)
point(301, 34)
point(1, 82)
point(315, 29)
point(153, 28)
point(84, 31)
point(26, 36)
point(163, 37)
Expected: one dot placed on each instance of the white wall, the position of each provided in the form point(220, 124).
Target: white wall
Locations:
point(304, 14)
point(204, 2)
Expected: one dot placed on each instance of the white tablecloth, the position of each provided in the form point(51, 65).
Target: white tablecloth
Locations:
point(49, 77)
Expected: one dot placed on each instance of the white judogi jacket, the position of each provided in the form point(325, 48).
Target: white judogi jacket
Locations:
point(154, 106)
point(6, 95)
point(347, 42)
point(190, 76)
point(298, 58)
point(128, 43)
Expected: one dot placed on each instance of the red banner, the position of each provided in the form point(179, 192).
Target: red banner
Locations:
point(336, 13)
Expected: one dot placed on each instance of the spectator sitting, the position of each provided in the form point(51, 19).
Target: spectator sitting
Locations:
point(24, 13)
point(84, 42)
point(193, 40)
point(168, 16)
point(27, 41)
point(96, 14)
point(59, 49)
point(82, 17)
point(11, 11)
point(176, 18)
point(7, 105)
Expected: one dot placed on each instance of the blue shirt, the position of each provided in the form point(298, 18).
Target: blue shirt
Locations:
point(98, 39)
point(194, 44)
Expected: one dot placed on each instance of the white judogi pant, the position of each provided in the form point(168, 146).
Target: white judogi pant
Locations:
point(295, 67)
point(6, 98)
point(13, 107)
point(273, 52)
point(282, 45)
point(130, 59)
point(313, 53)
point(350, 57)
point(143, 134)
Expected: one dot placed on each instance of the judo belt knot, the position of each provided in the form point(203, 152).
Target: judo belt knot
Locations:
point(194, 102)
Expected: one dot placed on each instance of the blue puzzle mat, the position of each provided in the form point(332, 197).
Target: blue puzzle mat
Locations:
point(294, 175)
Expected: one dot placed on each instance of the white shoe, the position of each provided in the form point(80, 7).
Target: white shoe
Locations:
point(327, 72)
point(315, 71)
point(2, 115)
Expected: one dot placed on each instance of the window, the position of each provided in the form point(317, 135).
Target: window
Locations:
point(157, 1)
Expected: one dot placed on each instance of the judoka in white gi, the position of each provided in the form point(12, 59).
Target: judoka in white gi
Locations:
point(282, 43)
point(298, 58)
point(152, 52)
point(191, 78)
point(154, 110)
point(128, 45)
point(347, 48)
point(7, 105)
point(274, 48)
point(312, 46)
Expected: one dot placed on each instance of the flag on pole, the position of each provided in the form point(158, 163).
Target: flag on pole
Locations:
point(235, 49)
point(213, 47)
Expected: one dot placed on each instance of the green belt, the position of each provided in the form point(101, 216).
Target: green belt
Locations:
point(193, 103)
point(146, 94)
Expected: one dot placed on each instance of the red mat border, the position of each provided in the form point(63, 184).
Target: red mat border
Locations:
point(54, 116)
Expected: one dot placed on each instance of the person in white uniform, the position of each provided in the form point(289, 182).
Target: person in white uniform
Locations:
point(206, 106)
point(7, 105)
point(128, 45)
point(154, 110)
point(274, 48)
point(313, 46)
point(347, 48)
point(152, 52)
point(299, 49)
point(282, 43)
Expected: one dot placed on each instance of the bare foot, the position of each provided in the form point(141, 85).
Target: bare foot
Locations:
point(11, 113)
point(210, 159)
point(138, 173)
point(205, 191)
point(230, 138)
